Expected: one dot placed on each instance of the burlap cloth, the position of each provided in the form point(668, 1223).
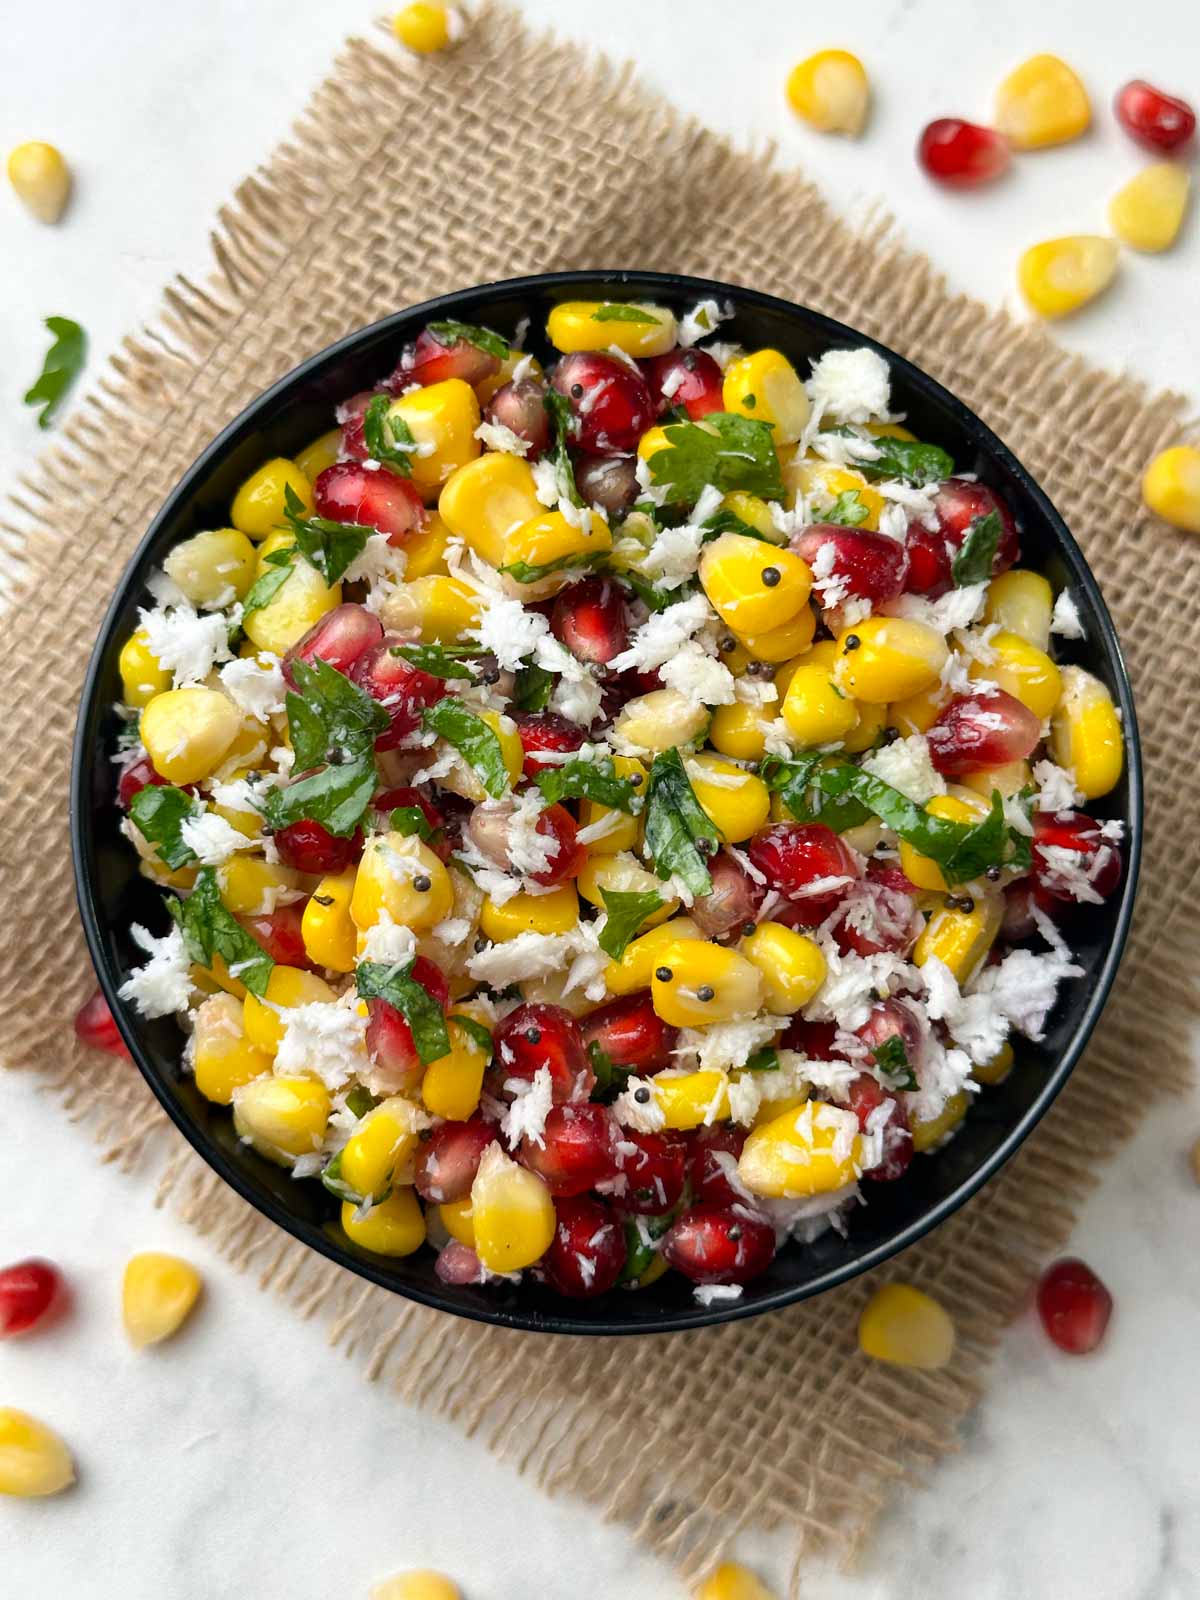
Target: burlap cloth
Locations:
point(402, 180)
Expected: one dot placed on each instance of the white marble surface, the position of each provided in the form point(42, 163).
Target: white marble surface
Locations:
point(246, 1457)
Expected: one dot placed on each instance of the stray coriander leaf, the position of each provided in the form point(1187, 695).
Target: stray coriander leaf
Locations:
point(387, 981)
point(437, 660)
point(848, 510)
point(653, 598)
point(610, 1076)
point(210, 930)
point(973, 559)
point(907, 459)
point(336, 797)
point(614, 311)
point(360, 1100)
point(764, 1060)
point(329, 547)
point(388, 438)
point(331, 1174)
point(484, 339)
point(726, 521)
point(559, 408)
point(409, 820)
point(680, 835)
point(476, 1031)
point(526, 572)
point(533, 688)
point(333, 725)
point(726, 450)
point(626, 913)
point(159, 812)
point(589, 780)
point(891, 1058)
point(792, 781)
point(63, 364)
point(641, 1233)
point(473, 739)
point(263, 590)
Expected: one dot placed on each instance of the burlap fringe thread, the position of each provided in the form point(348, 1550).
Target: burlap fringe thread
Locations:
point(806, 1436)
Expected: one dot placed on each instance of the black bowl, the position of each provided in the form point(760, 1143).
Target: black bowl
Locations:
point(112, 894)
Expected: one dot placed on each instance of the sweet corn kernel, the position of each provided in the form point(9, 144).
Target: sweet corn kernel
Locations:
point(213, 568)
point(287, 987)
point(258, 506)
point(929, 1132)
point(34, 1461)
point(872, 720)
point(830, 91)
point(794, 1154)
point(574, 326)
point(394, 1227)
point(622, 873)
point(621, 830)
point(750, 508)
point(546, 540)
point(483, 500)
point(923, 871)
point(707, 983)
point(815, 710)
point(157, 1296)
point(1007, 780)
point(1022, 602)
point(186, 732)
point(251, 886)
point(1060, 275)
point(1171, 487)
point(890, 430)
point(1022, 670)
point(453, 1083)
point(643, 954)
point(458, 1219)
point(327, 928)
point(753, 586)
point(916, 713)
point(822, 483)
point(383, 1141)
point(282, 1117)
point(444, 415)
point(425, 550)
point(693, 1099)
point(903, 1326)
point(400, 874)
point(320, 453)
point(790, 639)
point(425, 29)
point(740, 731)
point(141, 676)
point(766, 386)
point(1147, 213)
point(961, 938)
point(421, 1585)
point(512, 1211)
point(737, 802)
point(1085, 734)
point(1042, 102)
point(217, 979)
point(997, 1069)
point(658, 721)
point(223, 1059)
point(792, 966)
point(41, 179)
point(298, 606)
point(556, 912)
point(732, 1582)
point(892, 659)
point(464, 780)
point(434, 609)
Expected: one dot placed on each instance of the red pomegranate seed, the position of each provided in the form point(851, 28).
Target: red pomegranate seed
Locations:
point(351, 492)
point(654, 1166)
point(928, 554)
point(390, 1043)
point(610, 403)
point(28, 1291)
point(892, 1019)
point(866, 1095)
point(719, 1244)
point(535, 1036)
point(609, 482)
point(812, 1039)
point(982, 730)
point(1091, 868)
point(733, 901)
point(631, 1033)
point(588, 1249)
point(545, 730)
point(339, 639)
point(449, 1159)
point(807, 862)
point(521, 408)
point(958, 504)
point(458, 1264)
point(710, 1178)
point(1074, 1306)
point(401, 689)
point(280, 932)
point(350, 414)
point(962, 154)
point(687, 378)
point(576, 1152)
point(856, 563)
point(878, 917)
point(403, 798)
point(569, 860)
point(429, 360)
point(1153, 118)
point(307, 846)
point(591, 620)
point(136, 777)
point(1019, 902)
point(95, 1026)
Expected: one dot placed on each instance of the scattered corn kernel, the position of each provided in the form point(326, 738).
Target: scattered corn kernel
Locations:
point(659, 720)
point(422, 1585)
point(157, 1296)
point(34, 1461)
point(792, 966)
point(904, 1326)
point(830, 91)
point(575, 326)
point(394, 1227)
point(41, 179)
point(1171, 487)
point(1147, 213)
point(1060, 275)
point(706, 984)
point(282, 1117)
point(733, 1582)
point(766, 387)
point(929, 1132)
point(213, 568)
point(141, 676)
point(809, 1149)
point(1042, 102)
point(1085, 734)
point(883, 659)
point(512, 1211)
point(187, 731)
point(425, 29)
point(1022, 602)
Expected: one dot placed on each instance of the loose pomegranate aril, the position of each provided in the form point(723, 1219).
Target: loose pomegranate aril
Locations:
point(449, 1159)
point(308, 846)
point(609, 482)
point(520, 407)
point(457, 1263)
point(718, 1244)
point(351, 414)
point(588, 1249)
point(430, 361)
point(1157, 120)
point(280, 932)
point(709, 1174)
point(1074, 1306)
point(591, 620)
point(928, 572)
point(812, 1039)
point(397, 799)
point(733, 900)
point(962, 154)
point(687, 378)
point(863, 565)
point(340, 639)
point(535, 1036)
point(982, 730)
point(958, 504)
point(1091, 854)
point(576, 1152)
point(796, 856)
point(610, 404)
point(401, 689)
point(95, 1026)
point(631, 1033)
point(866, 1096)
point(28, 1291)
point(878, 917)
point(136, 777)
point(351, 492)
point(545, 730)
point(390, 1043)
point(892, 1019)
point(569, 860)
point(654, 1166)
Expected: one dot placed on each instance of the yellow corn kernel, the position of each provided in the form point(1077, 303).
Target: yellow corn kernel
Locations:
point(400, 874)
point(652, 442)
point(816, 711)
point(278, 539)
point(287, 987)
point(487, 387)
point(252, 887)
point(792, 966)
point(622, 873)
point(444, 415)
point(753, 510)
point(823, 654)
point(641, 955)
point(464, 780)
point(157, 1296)
point(903, 1326)
point(186, 732)
point(1060, 275)
point(1085, 734)
point(961, 938)
point(282, 1117)
point(1042, 102)
point(213, 568)
point(298, 606)
point(740, 731)
point(659, 721)
point(555, 912)
point(548, 537)
point(1022, 670)
point(809, 1149)
point(1171, 487)
point(425, 550)
point(830, 91)
point(753, 586)
point(141, 676)
point(574, 326)
point(382, 1142)
point(453, 1083)
point(923, 871)
point(394, 1227)
point(249, 823)
point(997, 1069)
point(258, 506)
point(737, 802)
point(916, 713)
point(422, 1585)
point(319, 453)
point(34, 1461)
point(929, 1132)
point(1147, 213)
point(790, 639)
point(821, 483)
point(767, 387)
point(327, 928)
point(706, 983)
point(458, 1219)
point(732, 1582)
point(483, 500)
point(223, 1059)
point(425, 29)
point(890, 430)
point(1022, 602)
point(621, 830)
point(692, 1099)
point(872, 720)
point(431, 609)
point(1007, 780)
point(40, 178)
point(892, 659)
point(512, 1212)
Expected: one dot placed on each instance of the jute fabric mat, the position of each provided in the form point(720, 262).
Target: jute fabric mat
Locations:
point(512, 155)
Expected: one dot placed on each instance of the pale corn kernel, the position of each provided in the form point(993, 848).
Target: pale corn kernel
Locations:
point(425, 29)
point(417, 1585)
point(1060, 275)
point(157, 1297)
point(431, 609)
point(1171, 487)
point(830, 91)
point(214, 567)
point(34, 1461)
point(282, 1117)
point(805, 1150)
point(41, 179)
point(187, 731)
point(298, 606)
point(657, 721)
point(1147, 213)
point(394, 1227)
point(1042, 102)
point(907, 1328)
point(512, 1211)
point(733, 1582)
point(1021, 602)
point(141, 676)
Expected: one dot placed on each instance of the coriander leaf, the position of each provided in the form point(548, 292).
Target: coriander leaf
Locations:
point(973, 559)
point(331, 1178)
point(473, 739)
point(589, 780)
point(526, 572)
point(848, 510)
point(792, 781)
point(611, 1077)
point(210, 929)
point(437, 660)
point(484, 339)
point(533, 688)
point(263, 590)
point(476, 1031)
point(387, 981)
point(360, 1100)
point(726, 521)
point(328, 546)
point(764, 1060)
point(559, 408)
point(907, 459)
point(640, 1236)
point(336, 797)
point(63, 364)
point(653, 598)
point(159, 811)
point(613, 311)
point(388, 438)
point(409, 820)
point(330, 715)
point(891, 1058)
point(626, 913)
point(680, 836)
point(726, 450)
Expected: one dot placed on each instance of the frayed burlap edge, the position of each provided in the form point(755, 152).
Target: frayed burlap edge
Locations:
point(772, 1423)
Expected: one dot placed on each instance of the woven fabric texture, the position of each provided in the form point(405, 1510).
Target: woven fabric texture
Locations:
point(775, 1422)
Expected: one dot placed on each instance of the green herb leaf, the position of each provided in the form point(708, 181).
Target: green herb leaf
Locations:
point(451, 332)
point(973, 560)
point(653, 598)
point(589, 780)
point(393, 983)
point(159, 811)
point(613, 311)
point(409, 820)
point(360, 1100)
point(676, 823)
point(476, 1031)
point(263, 590)
point(330, 717)
point(848, 510)
point(437, 660)
point(533, 688)
point(388, 438)
point(626, 913)
point(63, 364)
point(474, 741)
point(525, 572)
point(331, 1177)
point(907, 459)
point(640, 1252)
point(336, 797)
point(764, 1060)
point(211, 930)
point(330, 547)
point(611, 1077)
point(792, 781)
point(891, 1058)
point(727, 451)
point(726, 521)
point(559, 408)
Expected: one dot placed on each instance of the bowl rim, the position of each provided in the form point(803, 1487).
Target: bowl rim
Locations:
point(375, 1270)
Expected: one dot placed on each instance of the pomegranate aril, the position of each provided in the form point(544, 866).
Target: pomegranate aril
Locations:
point(982, 730)
point(1074, 1306)
point(587, 1252)
point(962, 154)
point(654, 1167)
point(545, 730)
point(28, 1292)
point(449, 1159)
point(96, 1026)
point(401, 689)
point(351, 492)
point(958, 504)
point(631, 1033)
point(865, 1097)
point(812, 1039)
point(136, 777)
point(309, 847)
point(339, 639)
point(1020, 899)
point(591, 620)
point(794, 856)
point(733, 900)
point(390, 1043)
point(569, 860)
point(280, 932)
point(609, 482)
point(431, 361)
point(710, 1175)
point(878, 917)
point(520, 407)
point(534, 1036)
point(458, 1264)
point(892, 1019)
point(610, 403)
point(576, 1152)
point(687, 378)
point(407, 798)
point(928, 569)
point(1159, 121)
point(1091, 870)
point(351, 414)
point(720, 1244)
point(863, 565)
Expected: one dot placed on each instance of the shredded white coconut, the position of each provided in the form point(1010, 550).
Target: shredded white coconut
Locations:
point(526, 1115)
point(255, 683)
point(851, 385)
point(212, 839)
point(906, 766)
point(163, 984)
point(1066, 620)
